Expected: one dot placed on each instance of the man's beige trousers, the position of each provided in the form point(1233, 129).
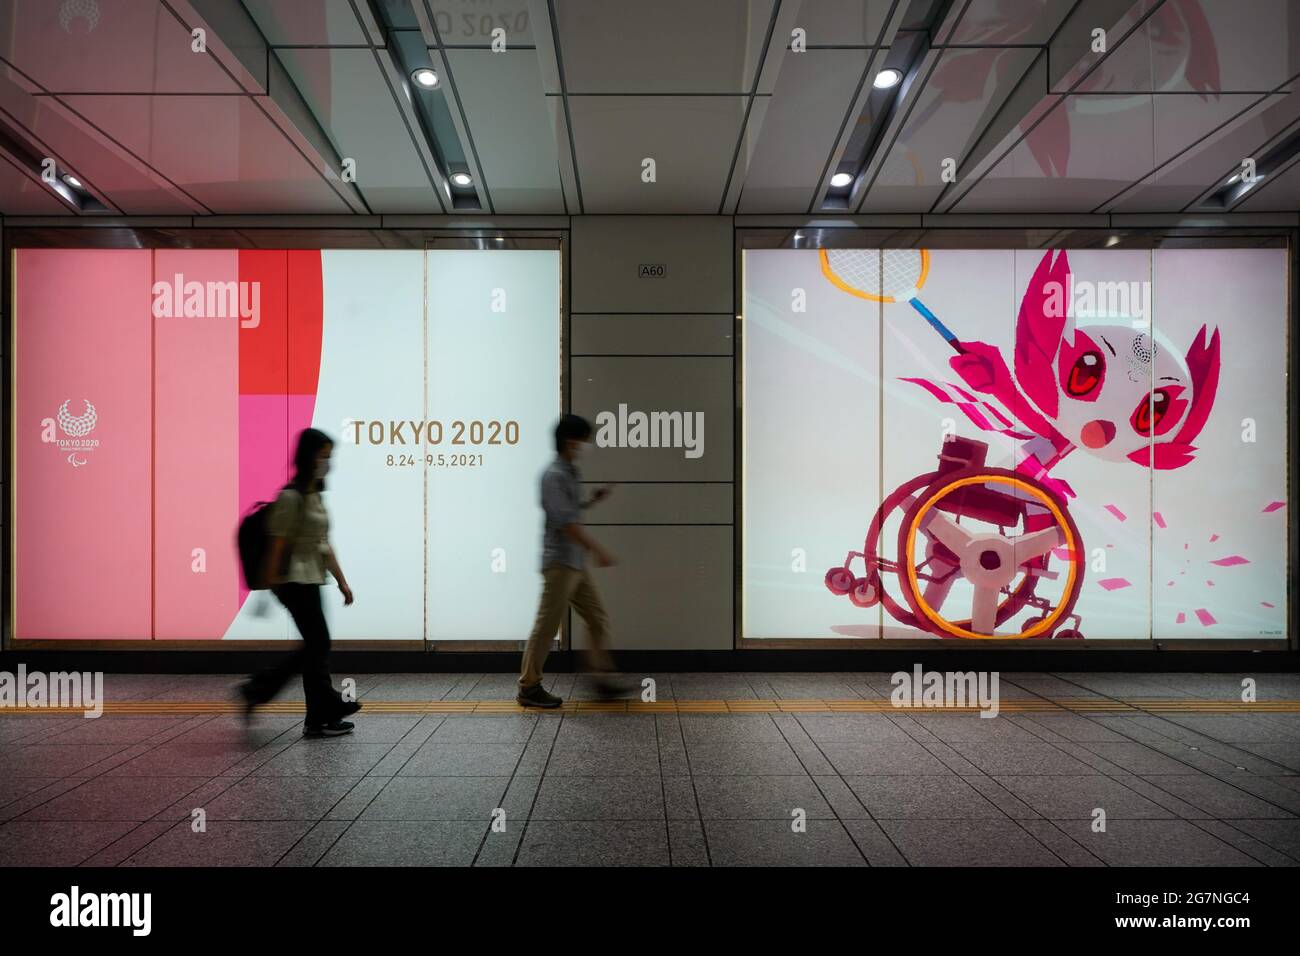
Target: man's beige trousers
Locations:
point(562, 587)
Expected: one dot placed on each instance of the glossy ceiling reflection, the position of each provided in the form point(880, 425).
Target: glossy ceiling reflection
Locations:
point(309, 107)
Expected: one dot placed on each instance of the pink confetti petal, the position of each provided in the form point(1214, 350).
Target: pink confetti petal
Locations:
point(1116, 512)
point(1159, 519)
point(1273, 506)
point(1181, 619)
point(1062, 553)
point(1213, 538)
point(1205, 617)
point(1210, 583)
point(1170, 584)
point(1266, 604)
point(1230, 560)
point(1114, 584)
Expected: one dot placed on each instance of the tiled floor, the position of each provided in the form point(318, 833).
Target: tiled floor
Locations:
point(686, 789)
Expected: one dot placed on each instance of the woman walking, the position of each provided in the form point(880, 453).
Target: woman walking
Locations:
point(298, 556)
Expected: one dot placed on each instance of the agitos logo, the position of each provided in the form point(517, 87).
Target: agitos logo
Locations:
point(76, 430)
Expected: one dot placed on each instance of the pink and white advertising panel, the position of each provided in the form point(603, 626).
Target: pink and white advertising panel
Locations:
point(1015, 445)
point(158, 394)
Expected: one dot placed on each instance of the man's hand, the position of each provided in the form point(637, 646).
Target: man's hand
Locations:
point(601, 493)
point(604, 559)
point(347, 593)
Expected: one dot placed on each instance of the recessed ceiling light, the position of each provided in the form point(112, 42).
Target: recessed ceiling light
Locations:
point(499, 238)
point(1234, 177)
point(72, 180)
point(840, 180)
point(887, 79)
point(1112, 241)
point(461, 179)
point(425, 77)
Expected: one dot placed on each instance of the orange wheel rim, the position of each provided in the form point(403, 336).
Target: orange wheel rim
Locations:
point(947, 627)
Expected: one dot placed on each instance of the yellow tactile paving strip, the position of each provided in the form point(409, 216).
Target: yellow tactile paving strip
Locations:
point(497, 708)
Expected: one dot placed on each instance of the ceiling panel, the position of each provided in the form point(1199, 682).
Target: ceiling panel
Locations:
point(111, 89)
point(804, 117)
point(999, 22)
point(471, 22)
point(670, 46)
point(1280, 193)
point(127, 46)
point(1190, 174)
point(125, 183)
point(222, 150)
point(1199, 46)
point(347, 93)
point(21, 196)
point(1088, 150)
point(843, 22)
point(964, 92)
point(120, 180)
point(691, 138)
point(307, 22)
point(511, 127)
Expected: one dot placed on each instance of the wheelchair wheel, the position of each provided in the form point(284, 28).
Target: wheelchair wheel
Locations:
point(963, 518)
point(866, 591)
point(839, 580)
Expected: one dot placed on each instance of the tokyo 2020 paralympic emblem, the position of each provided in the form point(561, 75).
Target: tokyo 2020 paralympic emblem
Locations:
point(73, 10)
point(76, 428)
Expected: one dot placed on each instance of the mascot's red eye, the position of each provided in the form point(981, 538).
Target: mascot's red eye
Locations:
point(1085, 374)
point(1150, 413)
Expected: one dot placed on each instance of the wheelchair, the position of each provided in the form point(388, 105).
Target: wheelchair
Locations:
point(1002, 532)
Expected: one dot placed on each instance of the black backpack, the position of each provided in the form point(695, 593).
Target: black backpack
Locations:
point(252, 539)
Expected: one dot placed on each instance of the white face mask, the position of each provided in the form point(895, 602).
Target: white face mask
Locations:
point(322, 468)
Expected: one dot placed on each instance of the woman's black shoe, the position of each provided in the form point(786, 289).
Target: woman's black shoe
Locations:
point(247, 701)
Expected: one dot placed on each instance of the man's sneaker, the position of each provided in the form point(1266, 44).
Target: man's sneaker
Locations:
point(536, 696)
point(611, 687)
point(335, 728)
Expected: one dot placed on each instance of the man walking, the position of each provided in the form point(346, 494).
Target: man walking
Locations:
point(565, 578)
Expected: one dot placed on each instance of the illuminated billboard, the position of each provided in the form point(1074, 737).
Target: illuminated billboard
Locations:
point(996, 444)
point(158, 394)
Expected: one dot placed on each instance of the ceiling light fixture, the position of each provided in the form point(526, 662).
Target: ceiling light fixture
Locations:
point(461, 179)
point(72, 180)
point(425, 77)
point(840, 180)
point(887, 79)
